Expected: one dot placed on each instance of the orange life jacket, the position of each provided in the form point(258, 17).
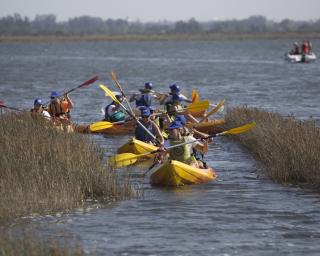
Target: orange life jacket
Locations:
point(60, 108)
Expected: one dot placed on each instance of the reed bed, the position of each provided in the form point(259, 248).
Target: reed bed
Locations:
point(27, 243)
point(289, 149)
point(44, 170)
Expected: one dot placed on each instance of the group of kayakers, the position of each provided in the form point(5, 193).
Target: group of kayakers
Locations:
point(305, 48)
point(56, 110)
point(163, 128)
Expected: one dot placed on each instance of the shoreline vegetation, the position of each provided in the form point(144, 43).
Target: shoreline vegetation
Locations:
point(159, 37)
point(289, 149)
point(45, 170)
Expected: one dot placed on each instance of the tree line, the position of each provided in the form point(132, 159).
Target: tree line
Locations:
point(86, 25)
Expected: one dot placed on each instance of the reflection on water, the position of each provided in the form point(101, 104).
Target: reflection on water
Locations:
point(240, 213)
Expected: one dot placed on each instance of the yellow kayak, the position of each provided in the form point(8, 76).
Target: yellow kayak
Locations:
point(137, 147)
point(175, 173)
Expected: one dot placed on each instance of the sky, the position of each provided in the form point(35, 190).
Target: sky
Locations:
point(170, 10)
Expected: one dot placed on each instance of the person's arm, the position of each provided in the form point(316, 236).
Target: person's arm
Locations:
point(69, 101)
point(157, 131)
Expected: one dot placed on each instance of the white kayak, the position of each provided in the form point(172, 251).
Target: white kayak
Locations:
point(300, 58)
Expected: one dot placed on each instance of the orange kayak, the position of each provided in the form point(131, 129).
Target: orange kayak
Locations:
point(210, 127)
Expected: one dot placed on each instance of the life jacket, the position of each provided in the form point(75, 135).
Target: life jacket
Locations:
point(57, 109)
point(305, 48)
point(117, 115)
point(145, 100)
point(182, 153)
point(141, 134)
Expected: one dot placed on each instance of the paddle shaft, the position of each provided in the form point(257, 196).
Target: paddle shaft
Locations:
point(15, 109)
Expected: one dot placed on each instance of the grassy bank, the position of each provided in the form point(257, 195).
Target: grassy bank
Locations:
point(159, 37)
point(289, 149)
point(43, 170)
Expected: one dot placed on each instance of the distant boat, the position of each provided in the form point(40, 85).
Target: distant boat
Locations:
point(300, 58)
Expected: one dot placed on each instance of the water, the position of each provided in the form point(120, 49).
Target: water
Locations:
point(240, 213)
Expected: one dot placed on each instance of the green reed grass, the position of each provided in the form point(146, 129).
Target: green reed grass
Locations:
point(288, 148)
point(44, 170)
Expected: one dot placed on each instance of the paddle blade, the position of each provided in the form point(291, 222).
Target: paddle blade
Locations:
point(98, 126)
point(113, 76)
point(214, 110)
point(195, 96)
point(109, 93)
point(90, 81)
point(123, 160)
point(198, 106)
point(240, 129)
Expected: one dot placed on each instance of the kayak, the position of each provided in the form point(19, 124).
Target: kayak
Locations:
point(209, 127)
point(300, 58)
point(137, 147)
point(197, 113)
point(175, 173)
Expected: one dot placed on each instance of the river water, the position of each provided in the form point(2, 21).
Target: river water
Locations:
point(240, 213)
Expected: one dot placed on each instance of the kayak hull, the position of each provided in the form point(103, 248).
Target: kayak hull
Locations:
point(175, 173)
point(300, 58)
point(137, 147)
point(210, 127)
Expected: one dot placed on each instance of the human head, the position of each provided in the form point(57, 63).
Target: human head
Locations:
point(181, 119)
point(145, 113)
point(148, 86)
point(54, 95)
point(175, 129)
point(119, 98)
point(37, 103)
point(174, 88)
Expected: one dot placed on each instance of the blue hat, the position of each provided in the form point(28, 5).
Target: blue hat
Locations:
point(181, 119)
point(148, 86)
point(175, 125)
point(38, 101)
point(55, 94)
point(174, 87)
point(145, 112)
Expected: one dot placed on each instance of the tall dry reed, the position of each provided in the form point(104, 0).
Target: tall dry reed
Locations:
point(43, 170)
point(288, 148)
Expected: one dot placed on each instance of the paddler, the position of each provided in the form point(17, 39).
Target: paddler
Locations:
point(174, 90)
point(114, 112)
point(184, 152)
point(39, 110)
point(141, 133)
point(144, 99)
point(58, 108)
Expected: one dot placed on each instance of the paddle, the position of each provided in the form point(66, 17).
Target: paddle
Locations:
point(195, 96)
point(214, 110)
point(102, 125)
point(114, 78)
point(86, 83)
point(125, 159)
point(12, 108)
point(113, 97)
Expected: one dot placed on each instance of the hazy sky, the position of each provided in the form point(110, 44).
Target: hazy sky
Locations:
point(171, 10)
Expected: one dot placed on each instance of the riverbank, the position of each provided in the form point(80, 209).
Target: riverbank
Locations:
point(289, 149)
point(44, 170)
point(159, 37)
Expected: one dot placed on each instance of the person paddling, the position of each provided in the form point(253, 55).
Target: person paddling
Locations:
point(184, 153)
point(144, 99)
point(114, 112)
point(39, 110)
point(174, 90)
point(58, 108)
point(140, 132)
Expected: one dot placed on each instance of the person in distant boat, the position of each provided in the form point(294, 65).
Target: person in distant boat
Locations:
point(184, 153)
point(113, 111)
point(174, 90)
point(39, 110)
point(142, 134)
point(310, 46)
point(296, 49)
point(305, 47)
point(58, 108)
point(144, 99)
